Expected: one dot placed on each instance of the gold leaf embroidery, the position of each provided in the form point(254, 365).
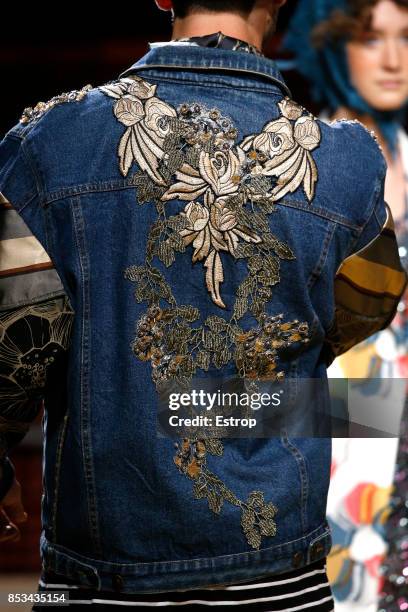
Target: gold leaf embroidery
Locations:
point(257, 518)
point(229, 190)
point(218, 170)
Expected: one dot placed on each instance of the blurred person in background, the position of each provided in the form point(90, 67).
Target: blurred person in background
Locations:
point(164, 206)
point(355, 55)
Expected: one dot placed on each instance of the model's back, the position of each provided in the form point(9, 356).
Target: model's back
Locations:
point(197, 217)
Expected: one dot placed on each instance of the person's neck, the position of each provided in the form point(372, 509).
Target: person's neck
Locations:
point(250, 28)
point(347, 113)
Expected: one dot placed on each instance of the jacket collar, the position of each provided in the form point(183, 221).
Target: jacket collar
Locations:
point(220, 40)
point(180, 55)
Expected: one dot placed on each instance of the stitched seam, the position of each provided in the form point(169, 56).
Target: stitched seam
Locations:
point(216, 84)
point(85, 404)
point(58, 460)
point(116, 185)
point(304, 481)
point(59, 548)
point(320, 212)
point(15, 137)
point(317, 271)
point(376, 217)
point(120, 185)
point(32, 167)
point(47, 230)
point(377, 192)
point(32, 300)
point(285, 89)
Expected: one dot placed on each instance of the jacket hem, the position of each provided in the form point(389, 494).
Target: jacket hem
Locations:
point(158, 576)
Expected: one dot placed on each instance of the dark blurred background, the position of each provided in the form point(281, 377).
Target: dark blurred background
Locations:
point(44, 52)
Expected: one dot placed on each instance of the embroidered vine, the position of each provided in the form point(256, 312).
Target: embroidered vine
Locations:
point(214, 175)
point(190, 154)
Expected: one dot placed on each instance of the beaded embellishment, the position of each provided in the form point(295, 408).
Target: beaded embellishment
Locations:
point(228, 190)
point(31, 114)
point(372, 133)
point(212, 174)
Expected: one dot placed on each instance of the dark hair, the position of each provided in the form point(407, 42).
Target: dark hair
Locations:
point(348, 24)
point(183, 7)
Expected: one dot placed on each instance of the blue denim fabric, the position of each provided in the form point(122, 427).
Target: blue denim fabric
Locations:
point(114, 503)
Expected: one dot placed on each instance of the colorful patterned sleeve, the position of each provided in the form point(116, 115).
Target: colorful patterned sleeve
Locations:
point(368, 287)
point(35, 325)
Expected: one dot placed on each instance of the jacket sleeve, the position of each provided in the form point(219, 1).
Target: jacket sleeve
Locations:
point(368, 285)
point(34, 341)
point(35, 314)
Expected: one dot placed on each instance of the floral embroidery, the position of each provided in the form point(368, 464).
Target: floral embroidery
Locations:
point(213, 174)
point(228, 191)
point(24, 367)
point(31, 114)
point(257, 518)
point(147, 122)
point(176, 350)
point(286, 150)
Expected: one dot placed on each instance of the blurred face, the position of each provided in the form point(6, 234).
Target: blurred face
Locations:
point(378, 58)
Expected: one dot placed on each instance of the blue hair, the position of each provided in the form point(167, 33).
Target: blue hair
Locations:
point(327, 69)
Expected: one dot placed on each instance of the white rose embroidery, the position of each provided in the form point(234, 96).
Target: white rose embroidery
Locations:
point(280, 154)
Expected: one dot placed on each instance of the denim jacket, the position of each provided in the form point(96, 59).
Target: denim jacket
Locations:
point(199, 221)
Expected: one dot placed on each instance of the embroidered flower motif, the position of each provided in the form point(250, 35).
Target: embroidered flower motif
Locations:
point(147, 121)
point(129, 111)
point(228, 192)
point(164, 337)
point(197, 216)
point(221, 171)
point(139, 88)
point(23, 366)
point(134, 86)
point(217, 175)
point(307, 133)
point(223, 217)
point(276, 138)
point(288, 148)
point(157, 117)
point(214, 167)
point(257, 517)
point(211, 230)
point(290, 109)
